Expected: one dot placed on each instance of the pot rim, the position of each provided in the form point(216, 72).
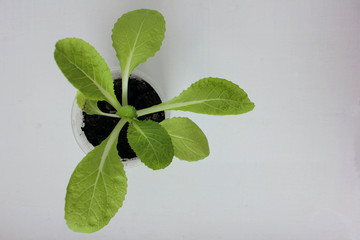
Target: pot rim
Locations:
point(77, 117)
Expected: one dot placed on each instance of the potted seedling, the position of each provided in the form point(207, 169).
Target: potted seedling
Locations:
point(98, 185)
point(91, 129)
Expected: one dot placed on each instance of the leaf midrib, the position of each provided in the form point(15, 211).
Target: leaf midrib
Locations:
point(169, 106)
point(132, 50)
point(182, 138)
point(134, 46)
point(104, 155)
point(142, 132)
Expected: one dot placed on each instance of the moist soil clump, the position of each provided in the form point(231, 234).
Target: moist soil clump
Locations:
point(140, 95)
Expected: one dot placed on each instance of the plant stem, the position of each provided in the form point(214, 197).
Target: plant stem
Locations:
point(114, 103)
point(118, 127)
point(108, 115)
point(168, 106)
point(125, 81)
point(153, 109)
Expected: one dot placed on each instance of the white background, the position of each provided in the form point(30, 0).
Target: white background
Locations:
point(287, 170)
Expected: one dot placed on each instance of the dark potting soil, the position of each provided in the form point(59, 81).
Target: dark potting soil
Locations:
point(140, 95)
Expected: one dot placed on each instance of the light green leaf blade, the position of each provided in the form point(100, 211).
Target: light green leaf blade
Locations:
point(97, 187)
point(137, 36)
point(85, 69)
point(87, 105)
point(151, 143)
point(214, 96)
point(190, 143)
point(91, 106)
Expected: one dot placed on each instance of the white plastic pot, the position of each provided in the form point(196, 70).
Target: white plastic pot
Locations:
point(77, 118)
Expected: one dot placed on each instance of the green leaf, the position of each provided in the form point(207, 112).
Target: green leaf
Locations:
point(97, 188)
point(90, 106)
point(87, 105)
point(137, 36)
point(189, 141)
point(214, 96)
point(85, 69)
point(127, 112)
point(151, 143)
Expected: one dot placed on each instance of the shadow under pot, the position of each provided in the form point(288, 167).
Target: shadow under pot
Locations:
point(91, 130)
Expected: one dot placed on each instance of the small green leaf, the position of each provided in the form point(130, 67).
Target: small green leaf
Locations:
point(85, 69)
point(90, 106)
point(189, 141)
point(214, 96)
point(137, 36)
point(87, 105)
point(151, 143)
point(97, 188)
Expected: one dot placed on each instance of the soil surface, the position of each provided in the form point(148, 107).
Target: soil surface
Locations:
point(140, 95)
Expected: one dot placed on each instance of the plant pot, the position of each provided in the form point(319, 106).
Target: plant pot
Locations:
point(78, 117)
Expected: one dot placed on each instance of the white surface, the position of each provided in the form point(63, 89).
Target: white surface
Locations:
point(287, 170)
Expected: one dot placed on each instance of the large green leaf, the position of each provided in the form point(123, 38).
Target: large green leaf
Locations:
point(97, 188)
point(151, 143)
point(85, 69)
point(137, 35)
point(214, 96)
point(189, 141)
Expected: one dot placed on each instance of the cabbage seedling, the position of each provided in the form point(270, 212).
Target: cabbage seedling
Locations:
point(98, 185)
